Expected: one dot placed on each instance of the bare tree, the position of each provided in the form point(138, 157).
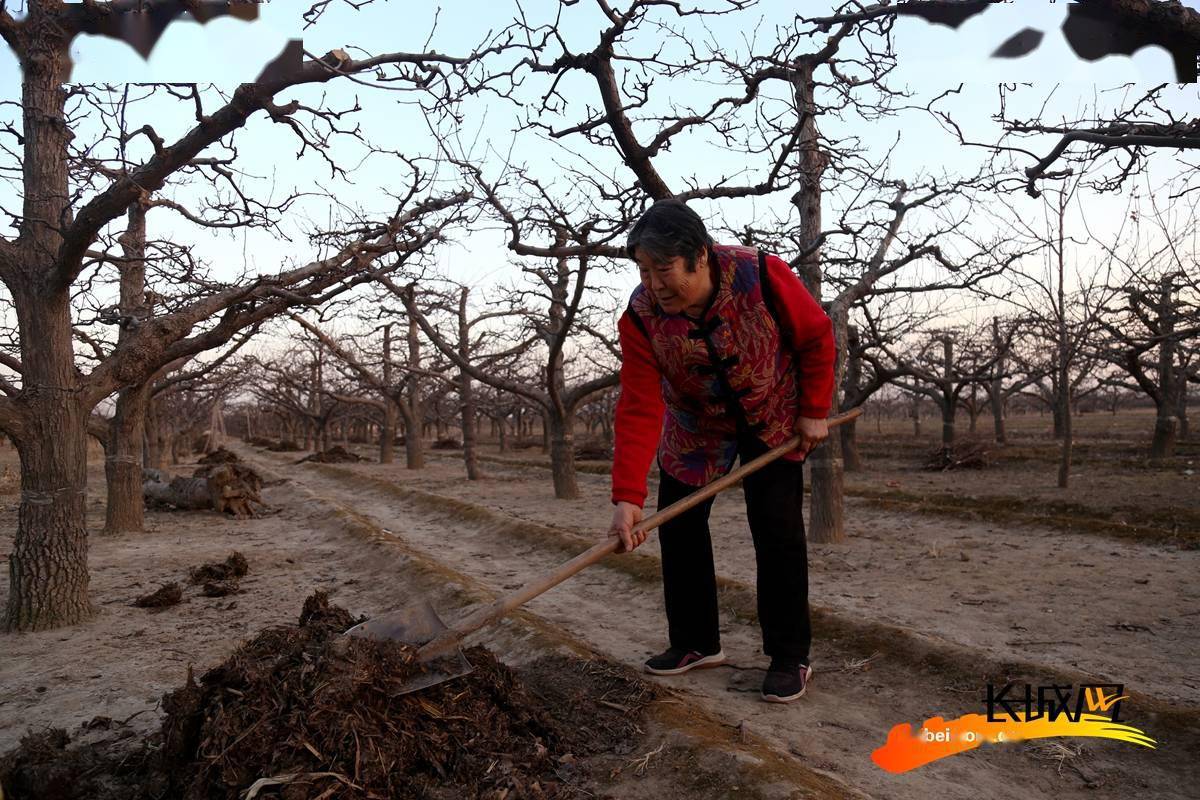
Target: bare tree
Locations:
point(785, 144)
point(1152, 322)
point(58, 224)
point(403, 396)
point(1066, 317)
point(563, 290)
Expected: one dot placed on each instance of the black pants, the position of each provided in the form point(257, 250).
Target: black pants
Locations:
point(774, 496)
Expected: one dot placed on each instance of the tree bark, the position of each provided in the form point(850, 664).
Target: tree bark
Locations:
point(1063, 400)
point(949, 406)
point(827, 522)
point(414, 452)
point(562, 455)
point(996, 393)
point(387, 438)
point(124, 510)
point(826, 517)
point(850, 456)
point(1165, 433)
point(466, 393)
point(123, 459)
point(48, 569)
point(1181, 408)
point(948, 414)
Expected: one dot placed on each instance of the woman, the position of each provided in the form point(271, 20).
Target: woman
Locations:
point(724, 354)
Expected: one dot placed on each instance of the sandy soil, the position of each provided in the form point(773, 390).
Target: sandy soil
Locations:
point(119, 664)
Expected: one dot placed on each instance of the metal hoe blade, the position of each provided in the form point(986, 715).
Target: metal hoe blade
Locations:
point(416, 625)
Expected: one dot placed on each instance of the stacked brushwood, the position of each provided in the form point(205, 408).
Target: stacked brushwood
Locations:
point(226, 486)
point(961, 454)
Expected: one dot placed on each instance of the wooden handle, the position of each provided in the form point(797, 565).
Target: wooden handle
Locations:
point(450, 637)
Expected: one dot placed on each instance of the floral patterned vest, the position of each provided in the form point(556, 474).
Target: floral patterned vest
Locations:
point(728, 369)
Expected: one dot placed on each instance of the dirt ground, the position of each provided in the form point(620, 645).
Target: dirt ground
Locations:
point(915, 613)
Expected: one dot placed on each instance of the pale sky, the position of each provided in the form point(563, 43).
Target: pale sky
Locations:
point(932, 58)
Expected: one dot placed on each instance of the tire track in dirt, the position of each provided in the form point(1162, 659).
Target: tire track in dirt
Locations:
point(834, 729)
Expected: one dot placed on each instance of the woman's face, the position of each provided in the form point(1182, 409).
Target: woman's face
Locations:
point(674, 288)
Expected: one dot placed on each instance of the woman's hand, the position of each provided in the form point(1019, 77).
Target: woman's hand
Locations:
point(812, 432)
point(625, 517)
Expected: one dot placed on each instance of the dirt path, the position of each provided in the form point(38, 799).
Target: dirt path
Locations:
point(1082, 602)
point(834, 730)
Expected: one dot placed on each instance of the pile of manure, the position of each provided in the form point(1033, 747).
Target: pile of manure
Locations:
point(302, 711)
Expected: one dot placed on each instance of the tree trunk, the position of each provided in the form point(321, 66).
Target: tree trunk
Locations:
point(215, 428)
point(916, 416)
point(997, 405)
point(1063, 397)
point(156, 438)
point(1062, 411)
point(1163, 445)
point(466, 393)
point(414, 452)
point(562, 455)
point(947, 400)
point(48, 564)
point(470, 435)
point(47, 568)
point(948, 414)
point(503, 431)
point(1064, 462)
point(1181, 391)
point(179, 446)
point(827, 513)
point(850, 454)
point(826, 519)
point(123, 462)
point(996, 393)
point(388, 435)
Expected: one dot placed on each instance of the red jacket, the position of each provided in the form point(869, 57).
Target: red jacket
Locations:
point(764, 351)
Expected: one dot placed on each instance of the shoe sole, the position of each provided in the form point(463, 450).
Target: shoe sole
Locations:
point(774, 698)
point(715, 660)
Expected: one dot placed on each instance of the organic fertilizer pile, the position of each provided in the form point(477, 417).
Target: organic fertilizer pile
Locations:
point(233, 567)
point(168, 594)
point(304, 712)
point(219, 456)
point(220, 578)
point(334, 455)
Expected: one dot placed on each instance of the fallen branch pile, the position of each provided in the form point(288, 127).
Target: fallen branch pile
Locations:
point(962, 454)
